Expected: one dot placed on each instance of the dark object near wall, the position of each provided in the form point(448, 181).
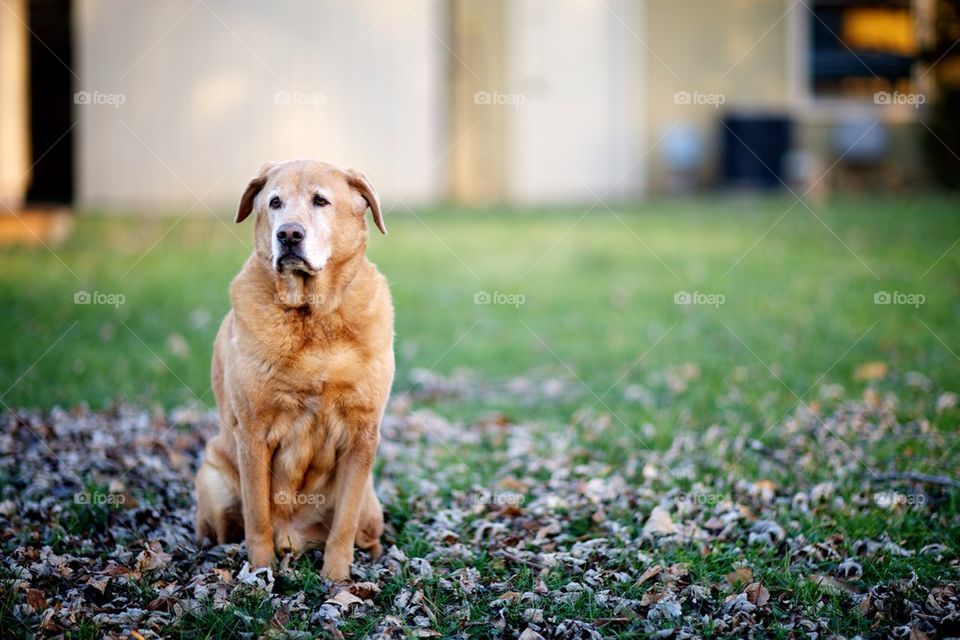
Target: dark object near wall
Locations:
point(753, 150)
point(941, 136)
point(944, 137)
point(51, 102)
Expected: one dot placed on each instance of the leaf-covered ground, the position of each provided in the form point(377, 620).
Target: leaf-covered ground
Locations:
point(596, 460)
point(502, 529)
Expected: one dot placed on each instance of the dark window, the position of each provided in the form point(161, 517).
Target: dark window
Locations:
point(860, 47)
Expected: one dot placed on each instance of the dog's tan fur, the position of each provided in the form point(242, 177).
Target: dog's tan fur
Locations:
point(302, 369)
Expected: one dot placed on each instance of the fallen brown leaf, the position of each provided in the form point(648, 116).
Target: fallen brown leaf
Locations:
point(874, 370)
point(650, 573)
point(757, 594)
point(512, 484)
point(740, 575)
point(365, 589)
point(36, 599)
point(659, 523)
point(344, 599)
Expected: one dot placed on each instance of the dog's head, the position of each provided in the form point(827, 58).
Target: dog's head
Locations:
point(308, 214)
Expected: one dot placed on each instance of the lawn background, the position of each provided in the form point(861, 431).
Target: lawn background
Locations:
point(598, 310)
point(598, 292)
point(598, 339)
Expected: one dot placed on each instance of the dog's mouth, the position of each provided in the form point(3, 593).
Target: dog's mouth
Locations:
point(292, 262)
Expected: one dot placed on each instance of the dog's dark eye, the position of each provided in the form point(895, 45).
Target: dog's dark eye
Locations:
point(320, 201)
point(275, 202)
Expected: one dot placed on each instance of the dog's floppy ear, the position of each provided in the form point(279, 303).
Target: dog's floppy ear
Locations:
point(359, 182)
point(253, 188)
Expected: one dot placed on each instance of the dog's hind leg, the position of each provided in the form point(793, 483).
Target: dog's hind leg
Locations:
point(219, 515)
point(371, 522)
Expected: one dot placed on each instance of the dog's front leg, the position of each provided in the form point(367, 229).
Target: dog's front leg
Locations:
point(353, 476)
point(254, 457)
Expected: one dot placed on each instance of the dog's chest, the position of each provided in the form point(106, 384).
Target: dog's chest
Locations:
point(301, 359)
point(307, 449)
point(305, 391)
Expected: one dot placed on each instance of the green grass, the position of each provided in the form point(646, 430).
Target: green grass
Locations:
point(598, 313)
point(248, 612)
point(598, 299)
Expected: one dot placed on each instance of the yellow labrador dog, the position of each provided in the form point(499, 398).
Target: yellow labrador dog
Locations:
point(302, 369)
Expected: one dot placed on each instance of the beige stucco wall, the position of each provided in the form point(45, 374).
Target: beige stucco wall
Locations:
point(210, 90)
point(479, 165)
point(579, 133)
point(737, 49)
point(588, 87)
point(547, 102)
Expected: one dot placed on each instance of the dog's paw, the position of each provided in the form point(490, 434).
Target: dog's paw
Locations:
point(261, 557)
point(375, 550)
point(335, 570)
point(202, 532)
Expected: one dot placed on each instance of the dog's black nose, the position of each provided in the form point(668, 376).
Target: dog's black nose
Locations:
point(290, 234)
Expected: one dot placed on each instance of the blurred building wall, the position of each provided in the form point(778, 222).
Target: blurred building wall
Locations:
point(478, 134)
point(720, 54)
point(579, 133)
point(547, 101)
point(180, 100)
point(478, 101)
point(709, 59)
